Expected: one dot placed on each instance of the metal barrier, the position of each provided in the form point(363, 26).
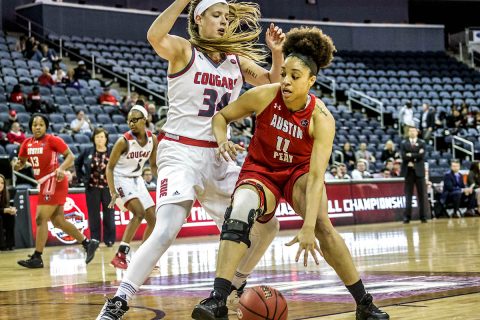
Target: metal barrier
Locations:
point(339, 153)
point(456, 146)
point(62, 49)
point(328, 83)
point(360, 97)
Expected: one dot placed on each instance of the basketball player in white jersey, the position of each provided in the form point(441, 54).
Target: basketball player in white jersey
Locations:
point(124, 176)
point(206, 73)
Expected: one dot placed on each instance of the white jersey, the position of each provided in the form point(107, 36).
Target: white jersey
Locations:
point(131, 163)
point(196, 93)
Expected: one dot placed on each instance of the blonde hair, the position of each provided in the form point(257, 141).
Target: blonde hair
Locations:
point(241, 35)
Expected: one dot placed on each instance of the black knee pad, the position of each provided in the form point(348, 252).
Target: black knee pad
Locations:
point(237, 230)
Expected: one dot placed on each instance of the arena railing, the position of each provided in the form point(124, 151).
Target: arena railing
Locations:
point(328, 83)
point(367, 102)
point(31, 25)
point(459, 143)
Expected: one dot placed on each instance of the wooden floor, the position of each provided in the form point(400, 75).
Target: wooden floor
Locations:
point(417, 271)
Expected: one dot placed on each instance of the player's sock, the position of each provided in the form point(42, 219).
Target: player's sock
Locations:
point(85, 242)
point(126, 290)
point(357, 290)
point(222, 286)
point(37, 254)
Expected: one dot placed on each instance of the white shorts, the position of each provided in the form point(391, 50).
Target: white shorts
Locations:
point(188, 173)
point(131, 188)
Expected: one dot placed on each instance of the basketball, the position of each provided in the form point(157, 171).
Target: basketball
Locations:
point(262, 303)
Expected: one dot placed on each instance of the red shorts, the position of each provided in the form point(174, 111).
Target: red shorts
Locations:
point(280, 183)
point(53, 192)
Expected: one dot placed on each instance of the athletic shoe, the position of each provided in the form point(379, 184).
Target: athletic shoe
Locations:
point(90, 249)
point(34, 262)
point(366, 310)
point(113, 309)
point(212, 308)
point(120, 261)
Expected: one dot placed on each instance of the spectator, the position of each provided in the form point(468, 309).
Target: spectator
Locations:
point(70, 81)
point(148, 177)
point(21, 44)
point(348, 156)
point(12, 117)
point(413, 169)
point(242, 154)
point(59, 75)
point(361, 172)
point(473, 181)
point(455, 120)
point(455, 192)
point(31, 49)
point(342, 172)
point(81, 72)
point(428, 122)
point(45, 79)
point(329, 175)
point(397, 168)
point(128, 103)
point(16, 136)
point(106, 98)
point(386, 173)
point(7, 218)
point(389, 151)
point(34, 101)
point(91, 167)
point(3, 139)
point(363, 153)
point(81, 124)
point(48, 54)
point(405, 117)
point(17, 95)
point(153, 112)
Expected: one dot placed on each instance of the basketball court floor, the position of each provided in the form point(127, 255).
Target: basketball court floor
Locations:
point(416, 271)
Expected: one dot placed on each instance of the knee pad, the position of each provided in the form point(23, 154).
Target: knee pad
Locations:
point(237, 230)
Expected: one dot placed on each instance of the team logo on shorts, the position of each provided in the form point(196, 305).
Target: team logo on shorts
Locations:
point(47, 197)
point(304, 122)
point(74, 215)
point(163, 188)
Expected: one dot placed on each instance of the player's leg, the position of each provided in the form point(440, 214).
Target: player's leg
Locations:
point(336, 252)
point(90, 245)
point(170, 218)
point(44, 212)
point(137, 213)
point(150, 218)
point(248, 204)
point(149, 205)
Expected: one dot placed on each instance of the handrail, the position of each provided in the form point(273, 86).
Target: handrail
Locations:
point(21, 175)
point(329, 83)
point(455, 147)
point(342, 159)
point(353, 96)
point(70, 52)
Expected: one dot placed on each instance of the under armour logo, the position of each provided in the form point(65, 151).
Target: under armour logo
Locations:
point(277, 106)
point(304, 122)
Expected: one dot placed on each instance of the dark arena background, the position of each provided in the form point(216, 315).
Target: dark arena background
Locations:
point(398, 63)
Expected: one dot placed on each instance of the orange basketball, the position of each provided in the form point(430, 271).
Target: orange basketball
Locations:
point(262, 303)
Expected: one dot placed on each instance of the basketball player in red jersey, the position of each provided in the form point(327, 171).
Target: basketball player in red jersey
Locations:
point(205, 73)
point(124, 177)
point(292, 125)
point(41, 152)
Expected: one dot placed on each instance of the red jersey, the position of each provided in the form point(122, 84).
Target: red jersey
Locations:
point(281, 137)
point(43, 153)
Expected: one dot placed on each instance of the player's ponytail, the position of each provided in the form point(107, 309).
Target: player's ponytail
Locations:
point(241, 35)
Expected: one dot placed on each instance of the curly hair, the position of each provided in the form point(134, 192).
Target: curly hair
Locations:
point(241, 35)
point(312, 43)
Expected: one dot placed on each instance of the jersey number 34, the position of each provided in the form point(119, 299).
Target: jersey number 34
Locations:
point(210, 101)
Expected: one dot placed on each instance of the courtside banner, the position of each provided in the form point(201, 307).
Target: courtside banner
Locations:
point(350, 202)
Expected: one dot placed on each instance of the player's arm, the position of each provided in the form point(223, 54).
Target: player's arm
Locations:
point(119, 148)
point(153, 157)
point(255, 74)
point(168, 46)
point(323, 131)
point(254, 100)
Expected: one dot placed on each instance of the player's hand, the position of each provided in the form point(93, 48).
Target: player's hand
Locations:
point(114, 196)
point(275, 38)
point(229, 150)
point(60, 174)
point(308, 243)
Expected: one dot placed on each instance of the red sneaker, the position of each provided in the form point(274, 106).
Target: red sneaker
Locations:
point(120, 261)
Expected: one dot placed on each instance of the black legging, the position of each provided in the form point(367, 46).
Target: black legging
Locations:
point(7, 232)
point(95, 197)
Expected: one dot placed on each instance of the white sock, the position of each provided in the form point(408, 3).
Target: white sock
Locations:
point(170, 218)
